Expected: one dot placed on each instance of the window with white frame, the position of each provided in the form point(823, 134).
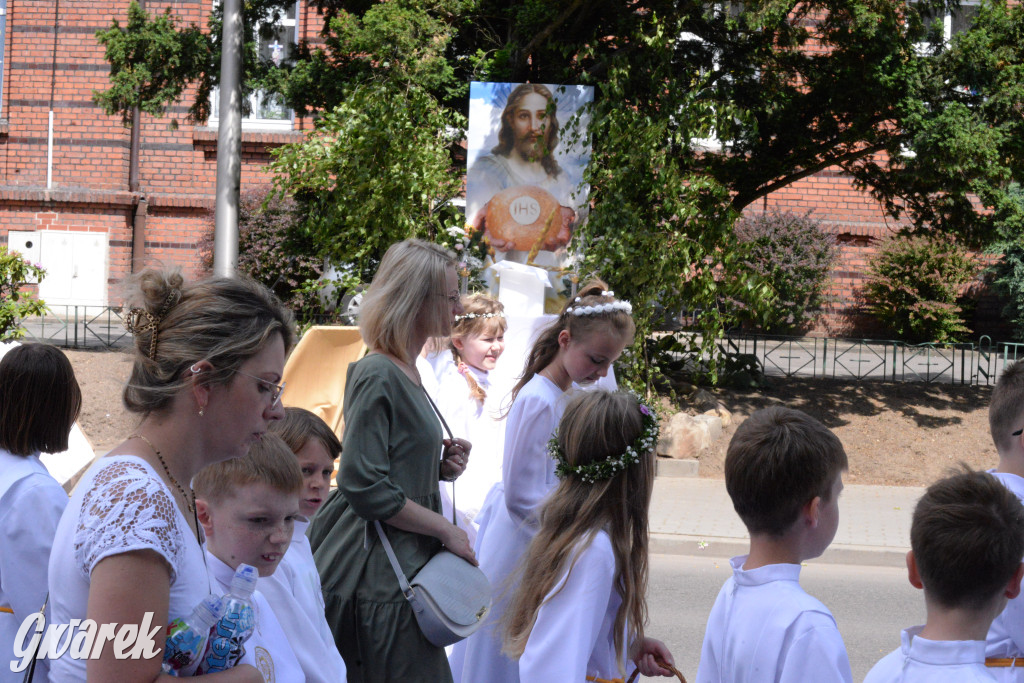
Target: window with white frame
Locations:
point(268, 111)
point(727, 8)
point(942, 27)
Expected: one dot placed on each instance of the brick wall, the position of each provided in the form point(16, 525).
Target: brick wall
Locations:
point(90, 167)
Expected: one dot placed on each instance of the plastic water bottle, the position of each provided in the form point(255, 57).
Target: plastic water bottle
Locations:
point(236, 624)
point(187, 637)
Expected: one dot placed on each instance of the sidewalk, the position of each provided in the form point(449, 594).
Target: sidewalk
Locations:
point(692, 516)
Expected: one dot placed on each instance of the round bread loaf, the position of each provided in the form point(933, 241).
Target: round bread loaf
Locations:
point(525, 216)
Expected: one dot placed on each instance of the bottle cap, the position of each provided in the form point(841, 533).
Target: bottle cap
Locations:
point(210, 609)
point(244, 580)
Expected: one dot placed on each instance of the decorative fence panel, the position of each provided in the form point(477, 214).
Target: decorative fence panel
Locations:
point(102, 327)
point(79, 327)
point(876, 359)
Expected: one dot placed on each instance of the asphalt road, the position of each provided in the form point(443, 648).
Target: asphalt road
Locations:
point(870, 604)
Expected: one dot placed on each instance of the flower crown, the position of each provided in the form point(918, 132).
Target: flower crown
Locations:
point(598, 309)
point(613, 464)
point(474, 316)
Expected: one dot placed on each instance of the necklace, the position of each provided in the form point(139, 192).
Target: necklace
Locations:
point(189, 500)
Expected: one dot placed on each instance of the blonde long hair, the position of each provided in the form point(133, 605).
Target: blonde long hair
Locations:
point(596, 425)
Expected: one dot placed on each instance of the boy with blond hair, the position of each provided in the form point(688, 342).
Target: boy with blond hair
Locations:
point(1005, 650)
point(967, 540)
point(784, 473)
point(294, 589)
point(247, 507)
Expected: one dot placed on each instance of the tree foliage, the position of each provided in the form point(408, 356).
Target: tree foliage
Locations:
point(15, 303)
point(702, 109)
point(376, 170)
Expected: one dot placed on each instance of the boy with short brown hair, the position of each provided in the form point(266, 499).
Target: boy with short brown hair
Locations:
point(783, 471)
point(247, 507)
point(1005, 650)
point(967, 540)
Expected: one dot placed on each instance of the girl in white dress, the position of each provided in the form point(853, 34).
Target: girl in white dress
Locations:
point(578, 347)
point(39, 401)
point(209, 357)
point(580, 608)
point(470, 404)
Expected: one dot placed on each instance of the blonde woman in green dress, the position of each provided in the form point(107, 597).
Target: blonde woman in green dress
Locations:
point(393, 455)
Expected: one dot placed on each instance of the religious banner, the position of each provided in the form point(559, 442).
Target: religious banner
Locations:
point(526, 157)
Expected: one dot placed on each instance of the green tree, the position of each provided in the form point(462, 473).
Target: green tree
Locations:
point(702, 109)
point(376, 170)
point(16, 304)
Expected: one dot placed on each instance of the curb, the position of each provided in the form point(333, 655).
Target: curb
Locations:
point(863, 555)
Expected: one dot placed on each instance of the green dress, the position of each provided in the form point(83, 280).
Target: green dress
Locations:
point(391, 452)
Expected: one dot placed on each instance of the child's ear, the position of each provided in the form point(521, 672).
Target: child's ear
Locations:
point(1013, 588)
point(812, 511)
point(913, 575)
point(457, 343)
point(203, 514)
point(564, 338)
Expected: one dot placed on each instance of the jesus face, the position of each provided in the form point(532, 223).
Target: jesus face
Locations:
point(528, 122)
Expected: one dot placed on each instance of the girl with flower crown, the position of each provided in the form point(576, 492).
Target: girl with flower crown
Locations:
point(578, 347)
point(580, 608)
point(470, 403)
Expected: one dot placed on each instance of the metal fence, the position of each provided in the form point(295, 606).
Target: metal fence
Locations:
point(79, 327)
point(875, 359)
point(102, 327)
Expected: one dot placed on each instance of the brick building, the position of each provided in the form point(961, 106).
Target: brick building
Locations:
point(66, 199)
point(76, 210)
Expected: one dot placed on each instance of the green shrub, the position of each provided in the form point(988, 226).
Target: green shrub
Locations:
point(274, 250)
point(913, 286)
point(15, 273)
point(795, 257)
point(1008, 282)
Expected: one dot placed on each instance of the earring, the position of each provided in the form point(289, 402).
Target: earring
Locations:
point(195, 370)
point(201, 412)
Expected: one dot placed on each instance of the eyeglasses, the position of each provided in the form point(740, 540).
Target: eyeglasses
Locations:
point(453, 299)
point(276, 389)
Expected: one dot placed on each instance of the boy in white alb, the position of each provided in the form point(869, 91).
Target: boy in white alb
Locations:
point(247, 507)
point(294, 589)
point(783, 471)
point(967, 540)
point(1004, 652)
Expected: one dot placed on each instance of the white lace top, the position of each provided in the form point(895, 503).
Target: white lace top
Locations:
point(120, 505)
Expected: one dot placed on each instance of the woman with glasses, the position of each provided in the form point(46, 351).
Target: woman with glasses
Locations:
point(391, 461)
point(206, 384)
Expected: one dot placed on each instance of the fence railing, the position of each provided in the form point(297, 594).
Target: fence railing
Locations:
point(876, 359)
point(77, 327)
point(779, 356)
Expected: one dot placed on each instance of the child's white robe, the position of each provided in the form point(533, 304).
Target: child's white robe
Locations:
point(764, 627)
point(919, 660)
point(573, 636)
point(294, 594)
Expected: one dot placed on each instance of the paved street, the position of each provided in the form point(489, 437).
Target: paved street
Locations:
point(871, 605)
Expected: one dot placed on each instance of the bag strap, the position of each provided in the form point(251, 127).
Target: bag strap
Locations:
point(402, 581)
point(30, 672)
point(450, 436)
